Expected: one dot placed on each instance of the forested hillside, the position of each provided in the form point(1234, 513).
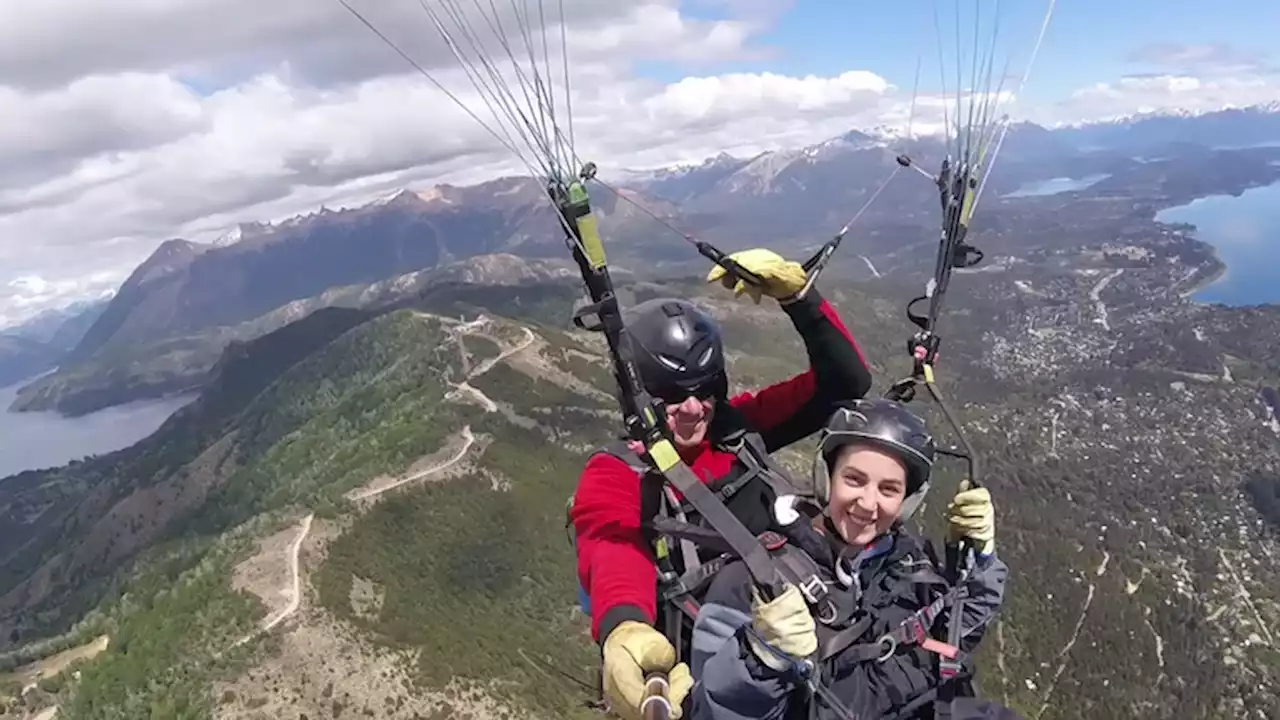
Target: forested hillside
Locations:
point(413, 467)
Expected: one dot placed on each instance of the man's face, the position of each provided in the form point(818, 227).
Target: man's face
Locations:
point(689, 420)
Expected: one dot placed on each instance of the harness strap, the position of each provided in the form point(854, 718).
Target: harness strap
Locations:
point(725, 492)
point(843, 639)
point(748, 448)
point(692, 580)
point(950, 668)
point(805, 573)
point(753, 554)
point(725, 534)
point(725, 528)
point(697, 534)
point(914, 630)
point(688, 552)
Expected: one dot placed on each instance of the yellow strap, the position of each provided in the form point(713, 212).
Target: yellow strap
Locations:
point(588, 230)
point(664, 455)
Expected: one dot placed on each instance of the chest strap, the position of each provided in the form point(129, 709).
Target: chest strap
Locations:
point(749, 450)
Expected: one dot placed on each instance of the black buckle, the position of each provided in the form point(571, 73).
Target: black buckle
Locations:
point(592, 311)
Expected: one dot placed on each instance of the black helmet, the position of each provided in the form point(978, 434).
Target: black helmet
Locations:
point(884, 423)
point(678, 349)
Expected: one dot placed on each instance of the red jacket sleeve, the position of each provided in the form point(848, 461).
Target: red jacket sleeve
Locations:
point(795, 408)
point(615, 564)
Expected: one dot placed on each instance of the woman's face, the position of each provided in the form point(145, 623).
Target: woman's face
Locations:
point(868, 486)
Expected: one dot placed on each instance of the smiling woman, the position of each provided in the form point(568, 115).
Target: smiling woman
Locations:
point(519, 70)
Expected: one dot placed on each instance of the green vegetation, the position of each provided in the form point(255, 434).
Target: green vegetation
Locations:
point(48, 511)
point(371, 404)
point(1115, 527)
point(473, 576)
point(480, 349)
point(541, 393)
point(166, 632)
point(1265, 494)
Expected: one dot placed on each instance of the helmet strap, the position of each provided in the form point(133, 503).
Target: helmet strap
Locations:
point(911, 505)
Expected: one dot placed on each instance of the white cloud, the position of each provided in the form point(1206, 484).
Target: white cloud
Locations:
point(135, 121)
point(143, 120)
point(1157, 93)
point(1191, 78)
point(25, 296)
point(1215, 58)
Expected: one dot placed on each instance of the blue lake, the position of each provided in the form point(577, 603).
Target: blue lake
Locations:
point(1053, 186)
point(34, 440)
point(1245, 231)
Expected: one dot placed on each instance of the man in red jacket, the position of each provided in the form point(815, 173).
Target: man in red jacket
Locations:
point(681, 360)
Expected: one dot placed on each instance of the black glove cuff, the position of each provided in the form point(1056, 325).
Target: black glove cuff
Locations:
point(617, 615)
point(807, 310)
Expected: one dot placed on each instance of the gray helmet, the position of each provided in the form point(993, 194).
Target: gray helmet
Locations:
point(887, 425)
point(678, 349)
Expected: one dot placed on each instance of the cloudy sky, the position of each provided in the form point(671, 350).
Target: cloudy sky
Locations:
point(132, 121)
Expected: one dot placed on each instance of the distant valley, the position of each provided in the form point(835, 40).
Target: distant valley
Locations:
point(163, 330)
point(362, 512)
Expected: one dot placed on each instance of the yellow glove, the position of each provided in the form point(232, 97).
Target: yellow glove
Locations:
point(972, 515)
point(632, 651)
point(786, 624)
point(782, 278)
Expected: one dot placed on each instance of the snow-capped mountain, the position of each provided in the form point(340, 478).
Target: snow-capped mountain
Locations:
point(781, 170)
point(241, 232)
point(1144, 115)
point(1229, 127)
point(757, 174)
point(231, 237)
point(257, 267)
point(683, 181)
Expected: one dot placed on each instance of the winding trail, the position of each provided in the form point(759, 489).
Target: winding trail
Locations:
point(295, 548)
point(295, 589)
point(295, 592)
point(466, 387)
point(1096, 296)
point(1064, 654)
point(366, 493)
point(1158, 640)
point(1247, 597)
point(487, 365)
point(469, 439)
point(1131, 587)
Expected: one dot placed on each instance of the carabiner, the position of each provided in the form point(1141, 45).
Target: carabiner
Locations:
point(891, 647)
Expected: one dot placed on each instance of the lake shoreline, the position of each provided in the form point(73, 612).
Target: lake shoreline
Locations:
point(1219, 273)
point(1237, 231)
point(45, 440)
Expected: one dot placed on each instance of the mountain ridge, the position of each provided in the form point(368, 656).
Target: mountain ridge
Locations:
point(1105, 533)
point(788, 200)
point(38, 345)
point(186, 362)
